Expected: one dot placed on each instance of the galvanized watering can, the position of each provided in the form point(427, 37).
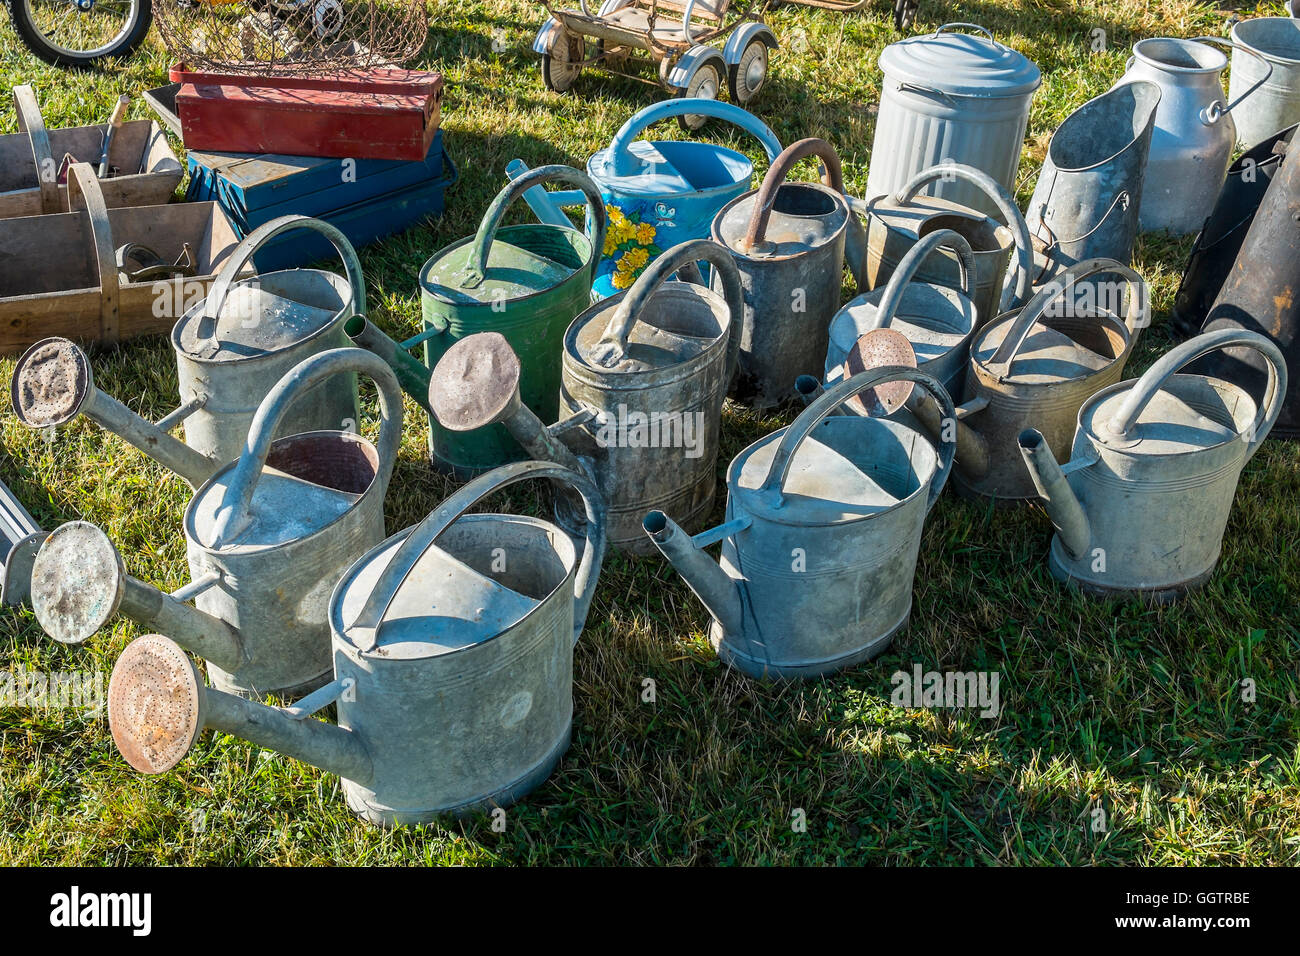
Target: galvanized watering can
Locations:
point(231, 348)
point(1003, 251)
point(1085, 204)
point(453, 667)
point(821, 537)
point(644, 383)
point(658, 193)
point(788, 240)
point(1140, 508)
point(1194, 131)
point(267, 536)
point(1276, 103)
point(1037, 366)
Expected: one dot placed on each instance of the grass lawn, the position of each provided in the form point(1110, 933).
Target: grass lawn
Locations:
point(1133, 710)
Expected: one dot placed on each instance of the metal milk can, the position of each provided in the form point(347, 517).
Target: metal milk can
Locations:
point(527, 282)
point(453, 667)
point(1037, 366)
point(1085, 204)
point(1274, 41)
point(1194, 132)
point(821, 536)
point(788, 240)
point(1003, 251)
point(267, 536)
point(1141, 506)
point(643, 387)
point(231, 347)
point(951, 98)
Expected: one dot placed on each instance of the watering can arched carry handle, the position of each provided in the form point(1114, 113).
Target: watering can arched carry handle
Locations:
point(623, 163)
point(1124, 419)
point(612, 346)
point(910, 263)
point(833, 398)
point(32, 123)
point(1212, 113)
point(233, 513)
point(1135, 319)
point(999, 196)
point(763, 201)
point(478, 258)
point(424, 535)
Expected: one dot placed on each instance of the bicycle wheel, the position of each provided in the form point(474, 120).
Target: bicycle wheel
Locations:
point(76, 33)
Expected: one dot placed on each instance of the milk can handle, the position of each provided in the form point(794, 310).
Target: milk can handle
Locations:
point(1052, 291)
point(836, 396)
point(1125, 417)
point(623, 163)
point(83, 185)
point(247, 248)
point(999, 196)
point(475, 272)
point(973, 26)
point(1210, 114)
point(612, 346)
point(232, 516)
point(776, 176)
point(906, 271)
point(424, 535)
point(31, 123)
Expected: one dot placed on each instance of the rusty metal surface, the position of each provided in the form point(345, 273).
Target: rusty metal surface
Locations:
point(50, 383)
point(877, 349)
point(155, 704)
point(78, 581)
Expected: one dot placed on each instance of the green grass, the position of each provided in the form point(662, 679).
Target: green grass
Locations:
point(1132, 709)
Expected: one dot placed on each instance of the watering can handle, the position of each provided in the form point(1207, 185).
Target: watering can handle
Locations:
point(841, 392)
point(974, 26)
point(1011, 214)
point(263, 234)
point(233, 513)
point(1210, 114)
point(903, 275)
point(612, 346)
point(424, 535)
point(83, 189)
point(1137, 317)
point(32, 123)
point(1124, 420)
point(623, 163)
point(756, 233)
point(478, 258)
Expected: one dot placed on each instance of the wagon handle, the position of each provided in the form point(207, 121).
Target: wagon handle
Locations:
point(763, 201)
point(1122, 423)
point(83, 188)
point(973, 26)
point(233, 513)
point(423, 536)
point(999, 196)
point(907, 268)
point(623, 163)
point(1210, 115)
point(1029, 316)
point(32, 123)
point(476, 271)
point(248, 247)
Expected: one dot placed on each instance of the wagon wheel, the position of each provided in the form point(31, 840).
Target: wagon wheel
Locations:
point(747, 77)
point(562, 63)
point(704, 82)
point(905, 13)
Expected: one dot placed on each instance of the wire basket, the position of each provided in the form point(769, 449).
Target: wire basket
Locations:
point(291, 37)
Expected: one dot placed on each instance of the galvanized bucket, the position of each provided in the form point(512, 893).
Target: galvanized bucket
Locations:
point(526, 282)
point(1276, 104)
point(1085, 205)
point(1141, 507)
point(821, 537)
point(788, 240)
point(951, 98)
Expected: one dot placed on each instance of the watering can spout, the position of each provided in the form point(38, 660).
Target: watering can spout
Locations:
point(1062, 504)
point(716, 589)
point(412, 374)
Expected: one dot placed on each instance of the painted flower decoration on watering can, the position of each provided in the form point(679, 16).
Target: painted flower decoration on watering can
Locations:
point(630, 242)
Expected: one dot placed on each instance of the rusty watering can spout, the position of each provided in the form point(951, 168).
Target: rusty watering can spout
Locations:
point(718, 591)
point(412, 374)
point(52, 384)
point(1063, 507)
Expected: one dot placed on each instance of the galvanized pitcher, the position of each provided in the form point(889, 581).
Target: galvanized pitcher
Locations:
point(453, 666)
point(1085, 205)
point(788, 240)
point(526, 282)
point(821, 537)
point(267, 536)
point(1141, 506)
